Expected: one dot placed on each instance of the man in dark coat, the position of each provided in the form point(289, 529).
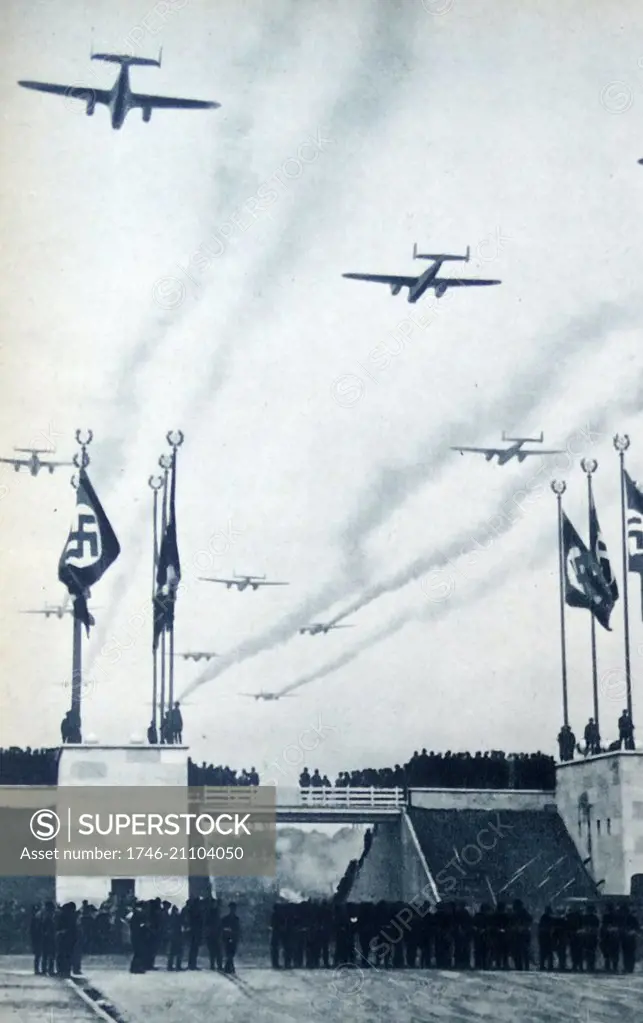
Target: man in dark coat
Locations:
point(231, 933)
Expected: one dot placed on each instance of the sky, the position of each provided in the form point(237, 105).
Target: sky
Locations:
point(186, 274)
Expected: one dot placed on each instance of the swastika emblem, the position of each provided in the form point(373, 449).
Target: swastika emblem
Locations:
point(84, 545)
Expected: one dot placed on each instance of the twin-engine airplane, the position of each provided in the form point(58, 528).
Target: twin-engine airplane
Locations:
point(33, 464)
point(429, 279)
point(514, 451)
point(242, 582)
point(316, 627)
point(120, 99)
point(266, 696)
point(52, 609)
point(198, 655)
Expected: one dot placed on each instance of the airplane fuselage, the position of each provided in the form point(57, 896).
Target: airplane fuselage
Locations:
point(119, 103)
point(424, 283)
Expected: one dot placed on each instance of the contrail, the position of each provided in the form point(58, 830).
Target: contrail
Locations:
point(233, 180)
point(393, 484)
point(434, 612)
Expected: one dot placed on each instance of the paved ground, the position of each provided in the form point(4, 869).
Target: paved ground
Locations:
point(268, 996)
point(28, 999)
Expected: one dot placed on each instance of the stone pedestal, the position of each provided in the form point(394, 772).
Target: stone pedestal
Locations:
point(132, 764)
point(601, 802)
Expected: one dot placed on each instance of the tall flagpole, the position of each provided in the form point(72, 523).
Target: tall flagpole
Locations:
point(81, 461)
point(621, 444)
point(155, 483)
point(559, 487)
point(589, 467)
point(165, 461)
point(174, 439)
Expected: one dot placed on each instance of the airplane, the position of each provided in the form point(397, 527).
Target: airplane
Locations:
point(243, 581)
point(197, 655)
point(316, 627)
point(514, 451)
point(53, 609)
point(120, 99)
point(429, 279)
point(34, 464)
point(266, 696)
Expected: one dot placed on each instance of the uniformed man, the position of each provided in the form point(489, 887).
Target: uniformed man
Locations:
point(626, 730)
point(546, 940)
point(628, 933)
point(176, 724)
point(213, 933)
point(590, 929)
point(35, 934)
point(48, 930)
point(592, 738)
point(175, 928)
point(608, 939)
point(231, 933)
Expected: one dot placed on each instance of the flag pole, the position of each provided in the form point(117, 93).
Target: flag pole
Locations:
point(589, 467)
point(559, 487)
point(165, 462)
point(621, 444)
point(174, 439)
point(155, 483)
point(81, 461)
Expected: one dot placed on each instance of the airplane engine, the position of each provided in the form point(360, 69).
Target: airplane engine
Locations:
point(521, 458)
point(255, 587)
point(147, 114)
point(51, 470)
point(16, 468)
point(91, 106)
point(441, 290)
point(396, 289)
point(488, 456)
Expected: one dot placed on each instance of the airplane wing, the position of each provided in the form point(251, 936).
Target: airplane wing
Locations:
point(40, 612)
point(263, 583)
point(169, 103)
point(523, 454)
point(48, 463)
point(482, 451)
point(384, 279)
point(212, 579)
point(347, 626)
point(14, 461)
point(83, 92)
point(455, 282)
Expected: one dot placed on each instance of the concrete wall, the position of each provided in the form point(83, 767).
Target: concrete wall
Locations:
point(89, 765)
point(381, 874)
point(601, 802)
point(481, 799)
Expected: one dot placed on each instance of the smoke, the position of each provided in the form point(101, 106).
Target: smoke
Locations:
point(310, 863)
point(392, 485)
point(435, 611)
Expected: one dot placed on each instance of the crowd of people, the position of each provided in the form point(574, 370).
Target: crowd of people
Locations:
point(59, 936)
point(209, 774)
point(387, 935)
point(568, 746)
point(493, 770)
point(28, 766)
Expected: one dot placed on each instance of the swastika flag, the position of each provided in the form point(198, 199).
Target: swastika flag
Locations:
point(90, 549)
point(585, 583)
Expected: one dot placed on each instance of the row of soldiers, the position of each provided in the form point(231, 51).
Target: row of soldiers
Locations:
point(157, 927)
point(56, 939)
point(320, 933)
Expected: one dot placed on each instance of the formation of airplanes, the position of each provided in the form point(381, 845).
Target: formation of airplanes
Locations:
point(120, 99)
point(315, 628)
point(242, 582)
point(427, 280)
point(515, 450)
point(34, 463)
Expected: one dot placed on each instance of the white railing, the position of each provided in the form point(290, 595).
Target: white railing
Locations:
point(215, 796)
point(382, 799)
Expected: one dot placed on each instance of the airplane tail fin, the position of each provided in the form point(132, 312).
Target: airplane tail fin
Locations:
point(36, 451)
point(441, 256)
point(127, 59)
point(525, 440)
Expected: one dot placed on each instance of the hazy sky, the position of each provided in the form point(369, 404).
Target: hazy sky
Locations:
point(186, 273)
